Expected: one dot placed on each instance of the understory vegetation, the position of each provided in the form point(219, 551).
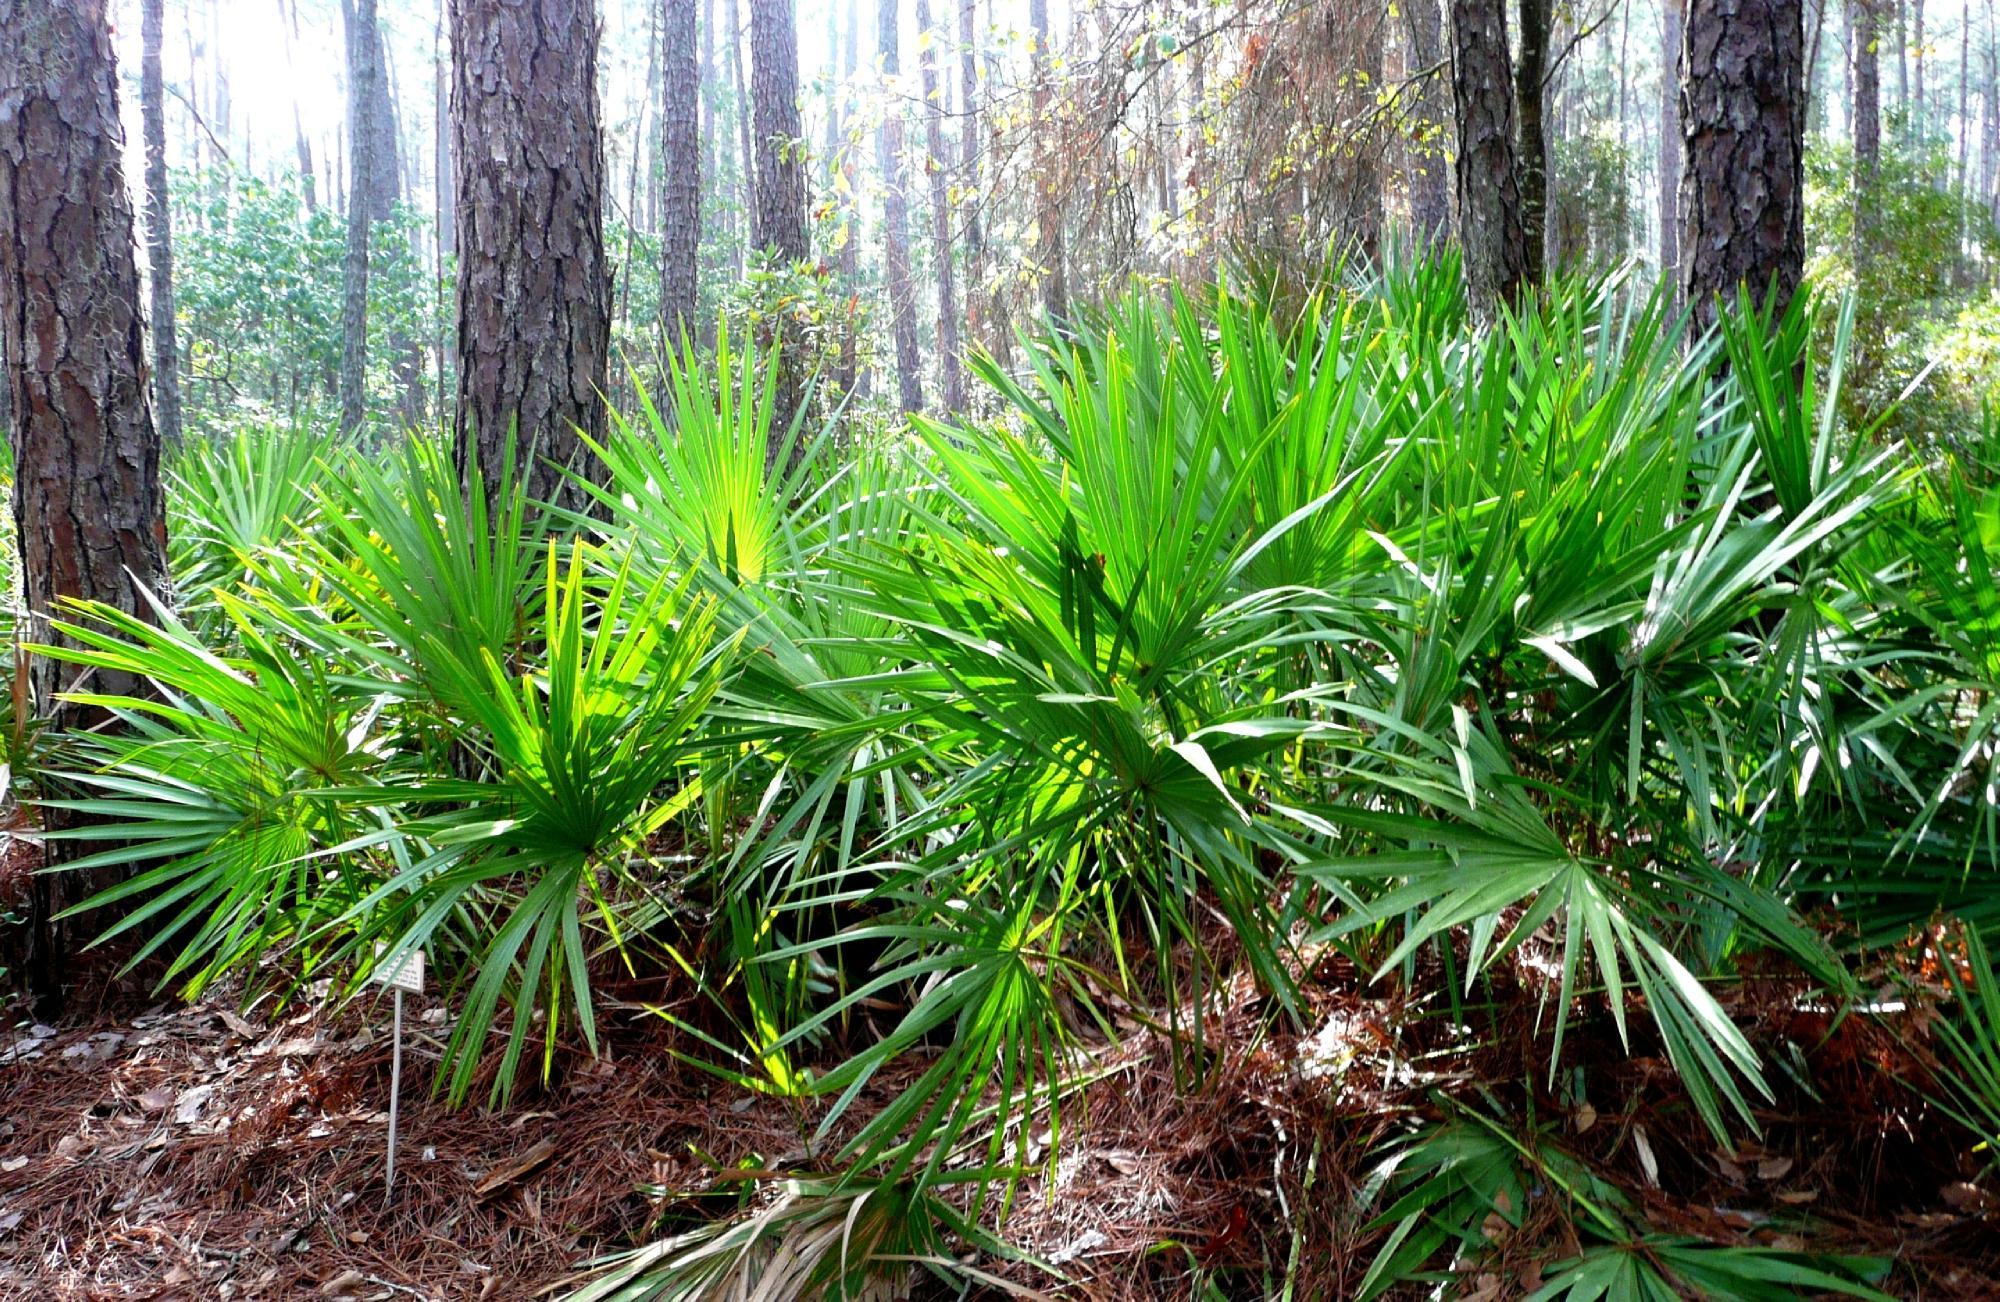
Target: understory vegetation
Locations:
point(1568, 680)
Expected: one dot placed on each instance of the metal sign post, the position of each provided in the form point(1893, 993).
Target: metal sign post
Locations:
point(407, 974)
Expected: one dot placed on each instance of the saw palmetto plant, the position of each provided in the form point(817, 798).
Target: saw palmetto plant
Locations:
point(1246, 628)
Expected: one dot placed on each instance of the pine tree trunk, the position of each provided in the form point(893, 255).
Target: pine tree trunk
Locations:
point(938, 167)
point(1867, 119)
point(87, 503)
point(1048, 182)
point(1532, 145)
point(1670, 142)
point(896, 220)
point(159, 228)
point(1430, 179)
point(1489, 195)
point(534, 324)
point(746, 174)
point(288, 16)
point(358, 19)
point(680, 198)
point(778, 224)
point(1743, 129)
point(970, 120)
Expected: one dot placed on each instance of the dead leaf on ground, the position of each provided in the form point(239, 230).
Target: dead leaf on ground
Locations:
point(510, 1171)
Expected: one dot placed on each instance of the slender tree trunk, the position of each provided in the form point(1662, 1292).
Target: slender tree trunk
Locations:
point(850, 245)
point(88, 512)
point(1867, 118)
point(1670, 142)
point(938, 167)
point(1743, 128)
point(746, 175)
point(970, 119)
point(1491, 233)
point(896, 219)
point(1918, 123)
point(1532, 146)
point(1900, 31)
point(1430, 182)
point(288, 16)
point(447, 178)
point(534, 323)
point(1048, 181)
point(159, 228)
point(680, 216)
point(358, 18)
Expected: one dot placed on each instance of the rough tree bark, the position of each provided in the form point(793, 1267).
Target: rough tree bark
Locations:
point(87, 504)
point(680, 198)
point(938, 168)
point(1532, 145)
point(1430, 179)
point(896, 221)
point(159, 227)
point(534, 324)
point(1743, 128)
point(778, 217)
point(358, 19)
point(1489, 195)
point(1670, 141)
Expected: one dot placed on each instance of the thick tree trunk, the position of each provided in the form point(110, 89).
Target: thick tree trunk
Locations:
point(1867, 118)
point(358, 18)
point(1430, 179)
point(1363, 226)
point(1743, 127)
point(680, 198)
point(1489, 195)
point(1048, 182)
point(1670, 142)
point(1532, 145)
point(778, 223)
point(938, 167)
point(87, 504)
point(534, 325)
point(159, 228)
point(896, 221)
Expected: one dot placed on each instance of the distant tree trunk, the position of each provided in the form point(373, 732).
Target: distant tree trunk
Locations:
point(1743, 127)
point(447, 179)
point(680, 215)
point(1989, 149)
point(1048, 183)
point(850, 246)
point(938, 167)
point(1670, 142)
point(1917, 120)
point(1532, 156)
point(534, 323)
point(1489, 196)
point(1867, 119)
point(896, 221)
point(87, 504)
point(1364, 207)
point(159, 227)
point(358, 18)
point(746, 176)
point(289, 16)
point(1430, 185)
point(970, 119)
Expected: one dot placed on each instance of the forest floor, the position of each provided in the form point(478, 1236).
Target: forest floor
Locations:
point(166, 1150)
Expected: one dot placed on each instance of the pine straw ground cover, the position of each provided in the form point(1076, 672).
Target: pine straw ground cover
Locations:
point(195, 1151)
